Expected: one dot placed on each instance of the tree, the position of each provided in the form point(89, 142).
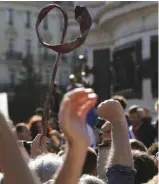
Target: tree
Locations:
point(28, 94)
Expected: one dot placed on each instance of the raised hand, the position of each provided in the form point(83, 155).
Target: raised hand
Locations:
point(74, 108)
point(39, 145)
point(111, 110)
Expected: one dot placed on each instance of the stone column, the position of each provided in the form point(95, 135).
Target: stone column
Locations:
point(146, 83)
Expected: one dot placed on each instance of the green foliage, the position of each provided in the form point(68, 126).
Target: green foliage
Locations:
point(28, 92)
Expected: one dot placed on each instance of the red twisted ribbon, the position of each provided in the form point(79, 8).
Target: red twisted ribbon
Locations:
point(83, 17)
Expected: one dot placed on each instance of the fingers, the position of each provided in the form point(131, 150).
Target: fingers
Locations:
point(78, 93)
point(77, 102)
point(85, 108)
point(77, 97)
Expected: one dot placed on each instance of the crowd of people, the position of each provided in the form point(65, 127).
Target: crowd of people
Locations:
point(91, 144)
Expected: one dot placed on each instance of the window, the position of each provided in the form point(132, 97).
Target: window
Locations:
point(154, 65)
point(126, 72)
point(28, 47)
point(11, 44)
point(45, 23)
point(12, 76)
point(9, 16)
point(27, 19)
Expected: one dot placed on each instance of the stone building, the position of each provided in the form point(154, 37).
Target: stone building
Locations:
point(122, 49)
point(18, 40)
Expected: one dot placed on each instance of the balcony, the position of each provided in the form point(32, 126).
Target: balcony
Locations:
point(14, 55)
point(49, 57)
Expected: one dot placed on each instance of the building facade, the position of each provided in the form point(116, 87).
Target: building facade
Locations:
point(122, 50)
point(19, 40)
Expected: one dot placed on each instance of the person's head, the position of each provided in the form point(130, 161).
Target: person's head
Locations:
point(56, 141)
point(90, 165)
point(145, 167)
point(35, 126)
point(87, 179)
point(39, 111)
point(137, 145)
point(121, 99)
point(106, 131)
point(45, 166)
point(72, 79)
point(153, 149)
point(23, 132)
point(135, 115)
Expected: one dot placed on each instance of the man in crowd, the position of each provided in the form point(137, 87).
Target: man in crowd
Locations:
point(73, 83)
point(140, 129)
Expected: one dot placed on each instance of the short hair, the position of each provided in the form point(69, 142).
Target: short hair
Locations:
point(45, 166)
point(39, 111)
point(33, 125)
point(153, 149)
point(137, 145)
point(90, 164)
point(19, 127)
point(87, 179)
point(122, 100)
point(145, 167)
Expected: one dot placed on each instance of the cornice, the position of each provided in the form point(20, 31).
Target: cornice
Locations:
point(115, 9)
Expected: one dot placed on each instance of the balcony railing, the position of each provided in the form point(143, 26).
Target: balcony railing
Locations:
point(49, 57)
point(14, 55)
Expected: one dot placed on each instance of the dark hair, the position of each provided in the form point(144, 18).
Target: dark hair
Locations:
point(90, 162)
point(122, 100)
point(19, 127)
point(137, 145)
point(39, 111)
point(145, 167)
point(153, 149)
point(34, 130)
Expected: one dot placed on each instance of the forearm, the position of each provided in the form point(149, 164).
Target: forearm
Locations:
point(103, 154)
point(120, 149)
point(71, 170)
point(102, 159)
point(11, 159)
